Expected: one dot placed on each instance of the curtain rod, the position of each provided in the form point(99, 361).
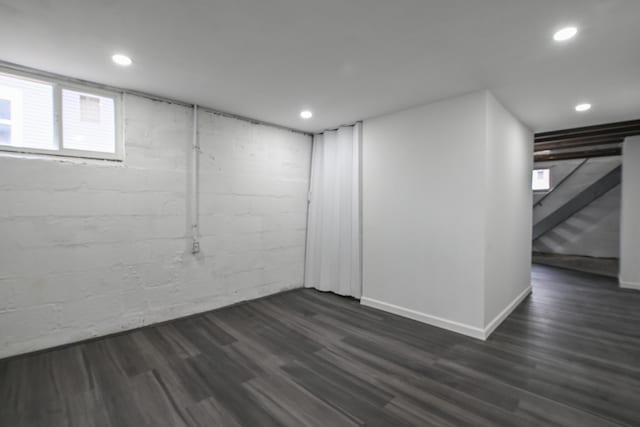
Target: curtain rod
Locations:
point(10, 66)
point(338, 128)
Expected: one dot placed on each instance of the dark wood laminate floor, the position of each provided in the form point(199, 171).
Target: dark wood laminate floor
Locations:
point(603, 266)
point(569, 355)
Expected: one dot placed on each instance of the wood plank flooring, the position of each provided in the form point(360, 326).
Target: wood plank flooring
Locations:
point(603, 266)
point(569, 355)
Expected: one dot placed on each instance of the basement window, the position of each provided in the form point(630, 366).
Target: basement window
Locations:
point(43, 116)
point(541, 180)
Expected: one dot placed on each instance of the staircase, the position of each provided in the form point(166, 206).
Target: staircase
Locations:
point(580, 215)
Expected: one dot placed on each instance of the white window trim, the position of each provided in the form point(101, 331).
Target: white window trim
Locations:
point(58, 86)
point(550, 183)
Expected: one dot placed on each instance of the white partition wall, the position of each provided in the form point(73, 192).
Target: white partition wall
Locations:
point(630, 218)
point(423, 227)
point(508, 214)
point(447, 213)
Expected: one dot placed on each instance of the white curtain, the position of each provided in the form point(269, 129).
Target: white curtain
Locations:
point(333, 235)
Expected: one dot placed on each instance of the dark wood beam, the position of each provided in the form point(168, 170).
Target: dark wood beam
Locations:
point(584, 154)
point(620, 129)
point(586, 141)
point(577, 143)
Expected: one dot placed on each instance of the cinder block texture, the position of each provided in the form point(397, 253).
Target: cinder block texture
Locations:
point(89, 248)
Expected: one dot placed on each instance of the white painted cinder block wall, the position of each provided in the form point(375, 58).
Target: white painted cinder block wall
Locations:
point(447, 213)
point(89, 248)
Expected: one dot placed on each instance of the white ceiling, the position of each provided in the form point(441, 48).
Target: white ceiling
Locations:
point(345, 60)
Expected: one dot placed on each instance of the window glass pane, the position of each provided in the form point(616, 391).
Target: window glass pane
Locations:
point(541, 180)
point(26, 113)
point(88, 122)
point(5, 134)
point(5, 109)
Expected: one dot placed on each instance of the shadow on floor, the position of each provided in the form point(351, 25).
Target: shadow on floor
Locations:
point(609, 267)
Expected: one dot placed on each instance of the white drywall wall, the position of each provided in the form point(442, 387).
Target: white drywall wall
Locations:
point(595, 230)
point(426, 199)
point(508, 209)
point(89, 248)
point(630, 222)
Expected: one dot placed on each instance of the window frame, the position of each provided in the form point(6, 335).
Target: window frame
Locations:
point(550, 183)
point(58, 85)
point(16, 119)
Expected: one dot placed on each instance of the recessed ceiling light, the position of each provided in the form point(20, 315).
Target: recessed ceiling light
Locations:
point(583, 107)
point(123, 60)
point(565, 34)
point(306, 114)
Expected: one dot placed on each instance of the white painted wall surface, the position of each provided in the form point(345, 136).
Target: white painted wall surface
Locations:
point(89, 248)
point(630, 222)
point(426, 201)
point(508, 210)
point(423, 199)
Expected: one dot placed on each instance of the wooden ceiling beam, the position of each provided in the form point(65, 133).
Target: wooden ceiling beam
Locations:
point(586, 154)
point(576, 143)
point(611, 134)
point(622, 129)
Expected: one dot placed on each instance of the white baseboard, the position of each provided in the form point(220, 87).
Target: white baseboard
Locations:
point(628, 285)
point(450, 325)
point(439, 322)
point(488, 330)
